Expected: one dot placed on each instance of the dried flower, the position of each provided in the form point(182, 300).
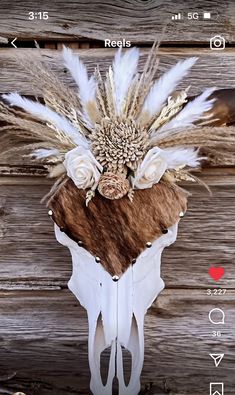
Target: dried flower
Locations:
point(89, 196)
point(83, 168)
point(113, 186)
point(151, 169)
point(118, 144)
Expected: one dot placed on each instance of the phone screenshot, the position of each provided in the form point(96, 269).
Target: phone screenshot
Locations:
point(117, 197)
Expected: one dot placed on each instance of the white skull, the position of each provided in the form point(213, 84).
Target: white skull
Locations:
point(122, 306)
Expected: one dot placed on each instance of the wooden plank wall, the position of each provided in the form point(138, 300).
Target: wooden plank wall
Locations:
point(43, 330)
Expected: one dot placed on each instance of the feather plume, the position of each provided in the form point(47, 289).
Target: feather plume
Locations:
point(180, 156)
point(42, 153)
point(124, 70)
point(86, 85)
point(46, 114)
point(163, 87)
point(27, 129)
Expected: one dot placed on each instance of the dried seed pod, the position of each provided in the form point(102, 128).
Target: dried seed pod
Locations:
point(118, 144)
point(113, 186)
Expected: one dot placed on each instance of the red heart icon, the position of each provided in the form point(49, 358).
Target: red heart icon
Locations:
point(216, 272)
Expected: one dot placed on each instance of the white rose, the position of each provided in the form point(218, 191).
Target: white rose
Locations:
point(82, 168)
point(150, 170)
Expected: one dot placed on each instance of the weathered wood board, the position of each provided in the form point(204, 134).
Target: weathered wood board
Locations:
point(178, 333)
point(136, 20)
point(212, 69)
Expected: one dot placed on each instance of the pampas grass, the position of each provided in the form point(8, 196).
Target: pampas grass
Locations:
point(28, 131)
point(44, 113)
point(124, 71)
point(162, 88)
point(86, 85)
point(180, 156)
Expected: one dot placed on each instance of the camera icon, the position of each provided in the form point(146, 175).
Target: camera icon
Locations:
point(217, 43)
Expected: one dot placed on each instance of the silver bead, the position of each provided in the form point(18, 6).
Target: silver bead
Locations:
point(97, 259)
point(181, 214)
point(50, 213)
point(115, 278)
point(148, 244)
point(80, 243)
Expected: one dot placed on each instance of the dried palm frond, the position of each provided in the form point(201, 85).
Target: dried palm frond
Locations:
point(193, 110)
point(174, 105)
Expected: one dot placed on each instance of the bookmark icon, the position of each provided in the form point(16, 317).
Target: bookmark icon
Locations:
point(216, 388)
point(217, 358)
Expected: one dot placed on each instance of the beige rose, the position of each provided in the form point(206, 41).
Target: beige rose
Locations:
point(82, 168)
point(150, 170)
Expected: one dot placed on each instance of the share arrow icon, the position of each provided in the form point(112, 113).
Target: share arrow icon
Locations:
point(217, 358)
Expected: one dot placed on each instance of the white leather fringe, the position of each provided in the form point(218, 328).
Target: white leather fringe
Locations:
point(121, 306)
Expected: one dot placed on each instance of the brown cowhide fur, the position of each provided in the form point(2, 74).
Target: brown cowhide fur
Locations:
point(116, 231)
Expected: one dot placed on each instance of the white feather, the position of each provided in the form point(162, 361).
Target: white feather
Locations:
point(44, 153)
point(124, 70)
point(180, 156)
point(191, 113)
point(86, 85)
point(163, 87)
point(46, 114)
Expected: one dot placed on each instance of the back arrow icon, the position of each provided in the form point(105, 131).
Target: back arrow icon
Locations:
point(12, 42)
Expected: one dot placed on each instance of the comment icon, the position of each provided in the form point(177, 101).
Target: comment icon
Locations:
point(217, 316)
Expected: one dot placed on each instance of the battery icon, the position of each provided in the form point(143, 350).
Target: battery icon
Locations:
point(206, 15)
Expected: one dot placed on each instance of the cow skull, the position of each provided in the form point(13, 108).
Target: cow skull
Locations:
point(116, 308)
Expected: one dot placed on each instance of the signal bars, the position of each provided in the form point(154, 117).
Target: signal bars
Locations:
point(176, 16)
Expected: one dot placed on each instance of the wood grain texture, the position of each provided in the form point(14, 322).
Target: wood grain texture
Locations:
point(135, 20)
point(46, 333)
point(212, 68)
